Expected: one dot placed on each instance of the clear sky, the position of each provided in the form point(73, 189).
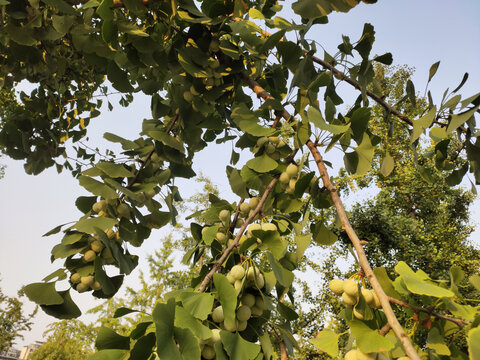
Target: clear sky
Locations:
point(418, 33)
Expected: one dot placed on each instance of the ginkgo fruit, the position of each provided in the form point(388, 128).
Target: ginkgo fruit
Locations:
point(89, 256)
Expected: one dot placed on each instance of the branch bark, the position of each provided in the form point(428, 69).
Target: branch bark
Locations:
point(362, 258)
point(228, 250)
point(459, 322)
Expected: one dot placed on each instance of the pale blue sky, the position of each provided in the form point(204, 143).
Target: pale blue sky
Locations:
point(418, 33)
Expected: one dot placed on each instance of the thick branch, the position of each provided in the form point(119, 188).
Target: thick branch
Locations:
point(384, 300)
point(459, 322)
point(234, 243)
point(392, 319)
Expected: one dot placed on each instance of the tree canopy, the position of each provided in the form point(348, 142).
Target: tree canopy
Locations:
point(215, 75)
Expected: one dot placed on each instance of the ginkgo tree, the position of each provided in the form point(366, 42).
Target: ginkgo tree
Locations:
point(215, 75)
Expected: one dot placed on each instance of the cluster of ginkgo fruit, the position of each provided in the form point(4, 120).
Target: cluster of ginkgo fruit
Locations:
point(248, 282)
point(350, 293)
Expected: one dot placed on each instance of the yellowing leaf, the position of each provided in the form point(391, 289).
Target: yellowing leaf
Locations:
point(423, 123)
point(387, 165)
point(326, 341)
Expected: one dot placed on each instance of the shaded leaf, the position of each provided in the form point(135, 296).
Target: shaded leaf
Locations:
point(227, 297)
point(237, 347)
point(43, 293)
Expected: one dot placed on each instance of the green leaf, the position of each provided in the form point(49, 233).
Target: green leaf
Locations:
point(322, 235)
point(97, 188)
point(199, 305)
point(387, 165)
point(369, 340)
point(365, 152)
point(272, 240)
point(287, 312)
point(262, 164)
point(386, 59)
point(164, 317)
point(238, 348)
point(122, 311)
point(312, 9)
point(67, 310)
point(423, 123)
point(304, 74)
point(167, 140)
point(109, 339)
point(61, 251)
point(410, 90)
point(109, 285)
point(114, 170)
point(188, 343)
point(238, 186)
point(227, 297)
point(436, 341)
point(433, 70)
point(466, 312)
point(417, 282)
point(326, 341)
point(386, 283)
point(473, 339)
point(88, 225)
point(267, 347)
point(247, 121)
point(60, 274)
point(475, 281)
point(126, 144)
point(284, 276)
point(63, 23)
point(61, 6)
point(118, 77)
point(111, 354)
point(85, 203)
point(43, 293)
point(459, 119)
point(143, 348)
point(184, 320)
point(438, 134)
point(105, 10)
point(315, 116)
point(303, 242)
point(55, 230)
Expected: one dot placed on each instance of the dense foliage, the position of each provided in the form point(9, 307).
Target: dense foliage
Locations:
point(200, 63)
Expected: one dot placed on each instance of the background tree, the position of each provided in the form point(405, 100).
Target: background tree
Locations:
point(66, 340)
point(13, 321)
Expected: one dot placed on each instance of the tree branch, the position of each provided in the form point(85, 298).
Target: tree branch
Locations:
point(392, 319)
point(228, 250)
point(459, 322)
point(341, 76)
point(385, 329)
point(362, 258)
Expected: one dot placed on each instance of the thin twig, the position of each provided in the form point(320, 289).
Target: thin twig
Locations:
point(233, 244)
point(385, 329)
point(459, 322)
